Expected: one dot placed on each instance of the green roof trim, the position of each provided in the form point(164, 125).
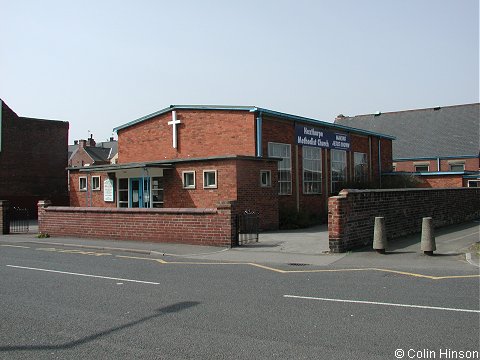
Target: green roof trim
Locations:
point(255, 110)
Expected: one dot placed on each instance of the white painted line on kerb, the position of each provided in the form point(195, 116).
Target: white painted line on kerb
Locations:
point(381, 303)
point(86, 275)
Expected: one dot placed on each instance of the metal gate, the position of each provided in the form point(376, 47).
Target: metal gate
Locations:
point(19, 220)
point(247, 225)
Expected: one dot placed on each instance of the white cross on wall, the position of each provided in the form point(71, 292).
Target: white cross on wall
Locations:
point(174, 122)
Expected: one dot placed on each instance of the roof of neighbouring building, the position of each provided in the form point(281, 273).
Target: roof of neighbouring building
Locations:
point(106, 150)
point(426, 133)
point(253, 109)
point(97, 154)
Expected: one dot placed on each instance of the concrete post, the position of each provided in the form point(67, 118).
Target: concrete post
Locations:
point(427, 244)
point(379, 235)
point(4, 218)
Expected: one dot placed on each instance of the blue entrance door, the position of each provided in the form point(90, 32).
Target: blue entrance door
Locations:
point(139, 193)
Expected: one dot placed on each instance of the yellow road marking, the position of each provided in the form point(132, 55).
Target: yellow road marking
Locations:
point(269, 268)
point(305, 271)
point(17, 246)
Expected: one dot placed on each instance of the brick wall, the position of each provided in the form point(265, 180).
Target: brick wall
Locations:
point(92, 198)
point(440, 181)
point(200, 134)
point(351, 215)
point(471, 164)
point(33, 158)
point(201, 226)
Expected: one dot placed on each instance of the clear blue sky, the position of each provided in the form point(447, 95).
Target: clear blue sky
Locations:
point(99, 64)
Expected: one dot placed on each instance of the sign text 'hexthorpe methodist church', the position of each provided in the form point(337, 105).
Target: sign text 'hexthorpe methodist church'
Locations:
point(306, 135)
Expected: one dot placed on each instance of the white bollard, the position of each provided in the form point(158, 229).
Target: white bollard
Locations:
point(427, 244)
point(379, 235)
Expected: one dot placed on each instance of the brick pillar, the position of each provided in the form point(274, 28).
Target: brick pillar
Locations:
point(42, 205)
point(337, 237)
point(4, 218)
point(227, 211)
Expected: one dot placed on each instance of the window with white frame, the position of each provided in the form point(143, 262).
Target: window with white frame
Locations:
point(360, 167)
point(265, 178)
point(457, 167)
point(338, 164)
point(284, 166)
point(312, 170)
point(188, 179)
point(96, 183)
point(209, 179)
point(82, 183)
point(473, 183)
point(422, 168)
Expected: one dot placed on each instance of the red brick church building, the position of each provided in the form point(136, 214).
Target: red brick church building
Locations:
point(263, 160)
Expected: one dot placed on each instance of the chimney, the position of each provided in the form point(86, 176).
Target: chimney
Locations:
point(339, 117)
point(75, 142)
point(111, 138)
point(82, 143)
point(90, 141)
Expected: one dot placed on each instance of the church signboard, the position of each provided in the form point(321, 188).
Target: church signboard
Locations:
point(310, 136)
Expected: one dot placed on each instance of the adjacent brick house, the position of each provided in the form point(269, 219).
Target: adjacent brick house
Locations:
point(33, 154)
point(263, 160)
point(438, 145)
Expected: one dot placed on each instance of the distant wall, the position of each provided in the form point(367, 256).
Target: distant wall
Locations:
point(33, 159)
point(351, 215)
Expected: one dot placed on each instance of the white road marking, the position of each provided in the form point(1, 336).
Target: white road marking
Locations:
point(86, 275)
point(16, 246)
point(381, 303)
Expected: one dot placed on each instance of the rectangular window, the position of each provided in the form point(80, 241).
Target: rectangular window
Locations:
point(474, 183)
point(421, 168)
point(265, 178)
point(96, 183)
point(82, 183)
point(312, 170)
point(338, 161)
point(457, 167)
point(210, 179)
point(188, 179)
point(157, 192)
point(360, 166)
point(123, 193)
point(284, 166)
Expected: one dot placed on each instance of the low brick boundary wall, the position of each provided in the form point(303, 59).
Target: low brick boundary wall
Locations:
point(214, 226)
point(351, 215)
point(4, 219)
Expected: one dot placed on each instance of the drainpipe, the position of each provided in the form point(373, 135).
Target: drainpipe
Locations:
point(259, 135)
point(370, 168)
point(380, 161)
point(325, 170)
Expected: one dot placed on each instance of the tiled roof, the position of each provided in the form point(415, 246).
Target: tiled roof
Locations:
point(97, 154)
point(426, 133)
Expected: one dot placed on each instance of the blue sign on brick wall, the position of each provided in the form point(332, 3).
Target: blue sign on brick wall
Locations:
point(310, 136)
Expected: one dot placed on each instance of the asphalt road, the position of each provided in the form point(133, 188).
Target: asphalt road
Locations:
point(59, 303)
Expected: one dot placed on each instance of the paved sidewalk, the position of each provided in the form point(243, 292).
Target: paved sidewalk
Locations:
point(306, 246)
